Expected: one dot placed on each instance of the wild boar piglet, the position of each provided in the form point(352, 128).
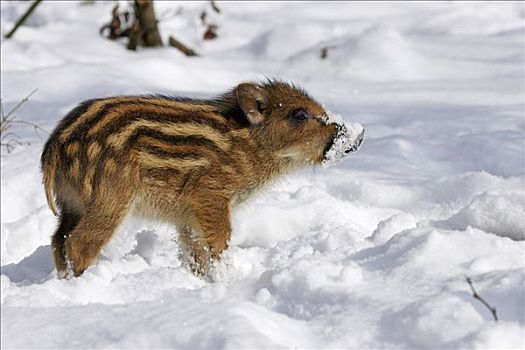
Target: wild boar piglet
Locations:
point(188, 162)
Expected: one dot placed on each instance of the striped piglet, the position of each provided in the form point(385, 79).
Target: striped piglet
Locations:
point(188, 162)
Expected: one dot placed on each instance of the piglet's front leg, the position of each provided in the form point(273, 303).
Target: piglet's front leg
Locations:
point(210, 233)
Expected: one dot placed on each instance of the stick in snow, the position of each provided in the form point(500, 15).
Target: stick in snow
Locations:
point(477, 296)
point(181, 47)
point(23, 18)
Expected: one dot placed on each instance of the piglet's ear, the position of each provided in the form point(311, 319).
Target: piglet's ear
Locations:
point(252, 100)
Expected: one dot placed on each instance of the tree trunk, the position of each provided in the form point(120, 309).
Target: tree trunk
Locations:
point(145, 14)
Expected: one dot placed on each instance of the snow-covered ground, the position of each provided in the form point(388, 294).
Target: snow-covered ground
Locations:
point(371, 253)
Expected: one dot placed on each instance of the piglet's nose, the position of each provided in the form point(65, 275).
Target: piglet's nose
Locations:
point(359, 141)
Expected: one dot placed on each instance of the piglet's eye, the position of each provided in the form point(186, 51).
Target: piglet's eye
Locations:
point(261, 107)
point(299, 115)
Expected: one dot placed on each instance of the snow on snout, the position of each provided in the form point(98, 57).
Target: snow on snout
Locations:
point(348, 139)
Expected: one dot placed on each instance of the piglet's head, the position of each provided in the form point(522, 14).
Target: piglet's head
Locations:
point(294, 127)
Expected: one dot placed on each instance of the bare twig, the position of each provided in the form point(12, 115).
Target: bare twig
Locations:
point(22, 19)
point(35, 126)
point(24, 100)
point(214, 7)
point(324, 51)
point(9, 139)
point(140, 27)
point(10, 134)
point(203, 17)
point(477, 296)
point(115, 30)
point(9, 144)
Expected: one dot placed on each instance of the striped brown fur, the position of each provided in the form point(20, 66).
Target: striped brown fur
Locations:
point(188, 162)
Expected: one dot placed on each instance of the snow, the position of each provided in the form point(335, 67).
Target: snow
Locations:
point(498, 212)
point(347, 140)
point(370, 253)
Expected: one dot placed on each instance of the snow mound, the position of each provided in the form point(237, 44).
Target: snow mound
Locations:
point(498, 152)
point(389, 227)
point(498, 212)
point(440, 320)
point(501, 335)
point(385, 49)
point(472, 18)
point(286, 40)
point(379, 53)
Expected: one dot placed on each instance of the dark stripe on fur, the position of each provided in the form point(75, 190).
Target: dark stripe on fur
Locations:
point(163, 153)
point(176, 117)
point(194, 140)
point(127, 117)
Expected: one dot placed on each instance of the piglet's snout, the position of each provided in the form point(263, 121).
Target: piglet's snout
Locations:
point(349, 136)
point(347, 139)
point(355, 138)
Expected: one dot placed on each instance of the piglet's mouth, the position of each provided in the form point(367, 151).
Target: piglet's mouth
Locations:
point(348, 139)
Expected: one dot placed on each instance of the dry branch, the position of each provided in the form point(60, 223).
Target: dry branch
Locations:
point(22, 19)
point(7, 120)
point(181, 47)
point(211, 28)
point(115, 26)
point(140, 27)
point(324, 51)
point(214, 7)
point(477, 296)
